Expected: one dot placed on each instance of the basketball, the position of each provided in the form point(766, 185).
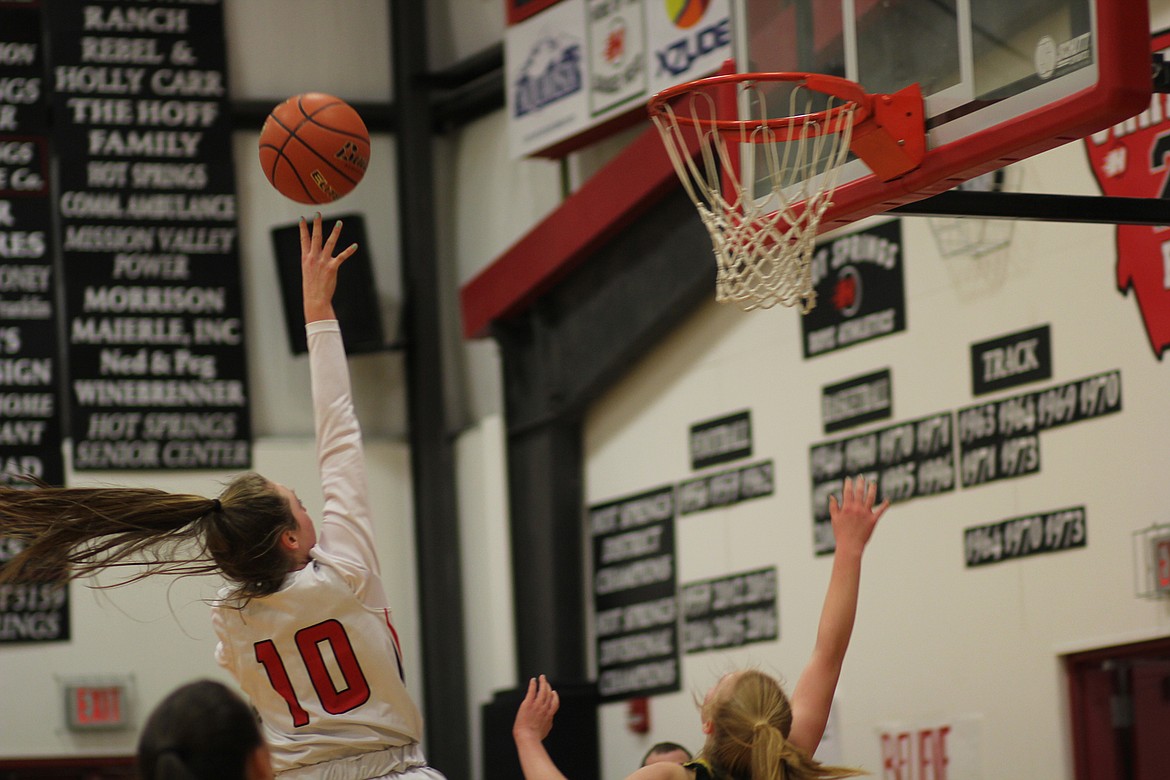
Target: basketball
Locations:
point(314, 148)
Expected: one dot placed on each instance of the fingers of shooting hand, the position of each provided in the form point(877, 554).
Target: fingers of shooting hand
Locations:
point(331, 242)
point(881, 510)
point(346, 253)
point(304, 229)
point(315, 236)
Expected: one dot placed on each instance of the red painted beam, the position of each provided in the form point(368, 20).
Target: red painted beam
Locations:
point(612, 199)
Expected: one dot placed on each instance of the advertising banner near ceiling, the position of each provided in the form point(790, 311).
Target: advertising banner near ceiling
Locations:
point(576, 67)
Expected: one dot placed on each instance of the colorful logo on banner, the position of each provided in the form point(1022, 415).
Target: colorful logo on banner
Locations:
point(613, 50)
point(860, 295)
point(680, 55)
point(582, 69)
point(617, 54)
point(551, 73)
point(686, 13)
point(1132, 159)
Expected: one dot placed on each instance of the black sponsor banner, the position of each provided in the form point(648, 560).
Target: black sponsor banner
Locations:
point(1012, 360)
point(860, 293)
point(31, 611)
point(909, 460)
point(23, 103)
point(30, 427)
point(635, 595)
point(148, 217)
point(1083, 399)
point(730, 611)
point(1000, 439)
point(726, 488)
point(721, 440)
point(857, 401)
point(1019, 537)
point(30, 408)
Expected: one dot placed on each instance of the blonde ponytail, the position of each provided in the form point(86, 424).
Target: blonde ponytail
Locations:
point(749, 736)
point(767, 752)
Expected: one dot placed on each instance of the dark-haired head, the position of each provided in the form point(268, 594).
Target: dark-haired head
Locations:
point(666, 752)
point(202, 731)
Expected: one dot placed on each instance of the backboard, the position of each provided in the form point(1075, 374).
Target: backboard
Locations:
point(1001, 79)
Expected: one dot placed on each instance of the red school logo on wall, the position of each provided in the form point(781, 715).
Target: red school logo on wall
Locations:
point(1132, 159)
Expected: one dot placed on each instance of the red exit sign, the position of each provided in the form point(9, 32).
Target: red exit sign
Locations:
point(100, 706)
point(1161, 553)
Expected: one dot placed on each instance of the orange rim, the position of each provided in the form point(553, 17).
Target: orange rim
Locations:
point(829, 121)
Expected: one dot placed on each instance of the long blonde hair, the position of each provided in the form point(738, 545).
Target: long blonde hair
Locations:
point(75, 532)
point(750, 723)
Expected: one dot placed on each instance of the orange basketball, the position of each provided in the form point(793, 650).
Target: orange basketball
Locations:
point(314, 148)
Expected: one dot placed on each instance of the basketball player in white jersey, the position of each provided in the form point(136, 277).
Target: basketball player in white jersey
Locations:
point(320, 658)
point(304, 625)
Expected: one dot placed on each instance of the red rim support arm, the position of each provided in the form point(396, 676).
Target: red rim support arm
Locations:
point(893, 142)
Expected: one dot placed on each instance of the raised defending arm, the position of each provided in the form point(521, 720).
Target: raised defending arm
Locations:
point(854, 519)
point(533, 722)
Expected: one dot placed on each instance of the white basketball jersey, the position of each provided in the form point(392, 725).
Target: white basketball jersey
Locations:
point(320, 659)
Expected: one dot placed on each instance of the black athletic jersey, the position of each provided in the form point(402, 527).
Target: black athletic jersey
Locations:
point(702, 769)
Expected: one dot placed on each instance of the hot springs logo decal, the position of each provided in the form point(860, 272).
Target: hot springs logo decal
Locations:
point(860, 295)
point(551, 72)
point(1132, 159)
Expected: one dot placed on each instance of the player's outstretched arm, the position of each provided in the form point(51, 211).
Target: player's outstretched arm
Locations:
point(854, 519)
point(346, 529)
point(533, 722)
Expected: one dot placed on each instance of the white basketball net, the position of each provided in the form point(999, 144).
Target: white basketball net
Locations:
point(763, 246)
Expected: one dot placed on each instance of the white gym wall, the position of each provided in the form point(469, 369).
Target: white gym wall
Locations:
point(935, 642)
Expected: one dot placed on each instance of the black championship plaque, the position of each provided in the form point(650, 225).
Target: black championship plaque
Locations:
point(635, 595)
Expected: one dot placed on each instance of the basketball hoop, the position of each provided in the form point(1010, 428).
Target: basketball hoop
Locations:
point(801, 128)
